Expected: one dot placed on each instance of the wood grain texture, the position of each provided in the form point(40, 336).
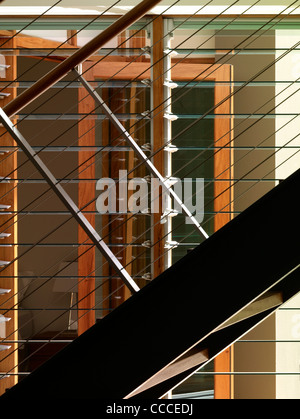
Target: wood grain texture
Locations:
point(27, 41)
point(187, 71)
point(158, 140)
point(106, 270)
point(86, 193)
point(118, 228)
point(223, 205)
point(8, 224)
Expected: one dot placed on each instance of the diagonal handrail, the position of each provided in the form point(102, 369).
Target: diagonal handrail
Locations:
point(68, 202)
point(78, 57)
point(141, 155)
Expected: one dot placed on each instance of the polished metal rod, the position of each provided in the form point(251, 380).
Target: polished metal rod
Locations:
point(139, 152)
point(61, 70)
point(67, 201)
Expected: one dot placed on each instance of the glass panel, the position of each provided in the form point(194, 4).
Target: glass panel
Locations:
point(137, 231)
point(201, 134)
point(189, 101)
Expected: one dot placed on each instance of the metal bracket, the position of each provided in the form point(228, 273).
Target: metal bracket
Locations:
point(4, 291)
point(67, 201)
point(141, 155)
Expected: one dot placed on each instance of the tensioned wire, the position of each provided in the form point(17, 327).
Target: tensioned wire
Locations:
point(196, 31)
point(70, 82)
point(63, 223)
point(188, 127)
point(29, 24)
point(123, 284)
point(54, 337)
point(42, 239)
point(254, 147)
point(251, 126)
point(62, 114)
point(19, 166)
point(184, 41)
point(50, 233)
point(92, 111)
point(100, 150)
point(123, 69)
point(266, 175)
point(160, 59)
point(52, 51)
point(56, 48)
point(26, 252)
point(26, 116)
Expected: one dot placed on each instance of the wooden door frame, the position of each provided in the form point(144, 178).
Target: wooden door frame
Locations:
point(223, 158)
point(9, 223)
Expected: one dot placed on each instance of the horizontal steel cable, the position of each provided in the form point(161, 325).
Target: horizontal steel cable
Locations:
point(251, 186)
point(219, 211)
point(226, 9)
point(29, 24)
point(251, 126)
point(42, 346)
point(123, 285)
point(26, 252)
point(79, 102)
point(50, 233)
point(56, 48)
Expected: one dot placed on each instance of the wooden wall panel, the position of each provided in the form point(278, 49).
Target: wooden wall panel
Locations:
point(223, 205)
point(86, 193)
point(8, 275)
point(119, 228)
point(223, 159)
point(158, 139)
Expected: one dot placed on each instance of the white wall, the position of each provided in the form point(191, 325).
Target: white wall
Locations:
point(287, 161)
point(287, 70)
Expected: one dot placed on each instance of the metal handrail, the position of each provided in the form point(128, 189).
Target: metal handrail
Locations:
point(78, 57)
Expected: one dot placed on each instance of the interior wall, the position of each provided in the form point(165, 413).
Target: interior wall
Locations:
point(287, 162)
point(250, 132)
point(44, 299)
point(249, 357)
